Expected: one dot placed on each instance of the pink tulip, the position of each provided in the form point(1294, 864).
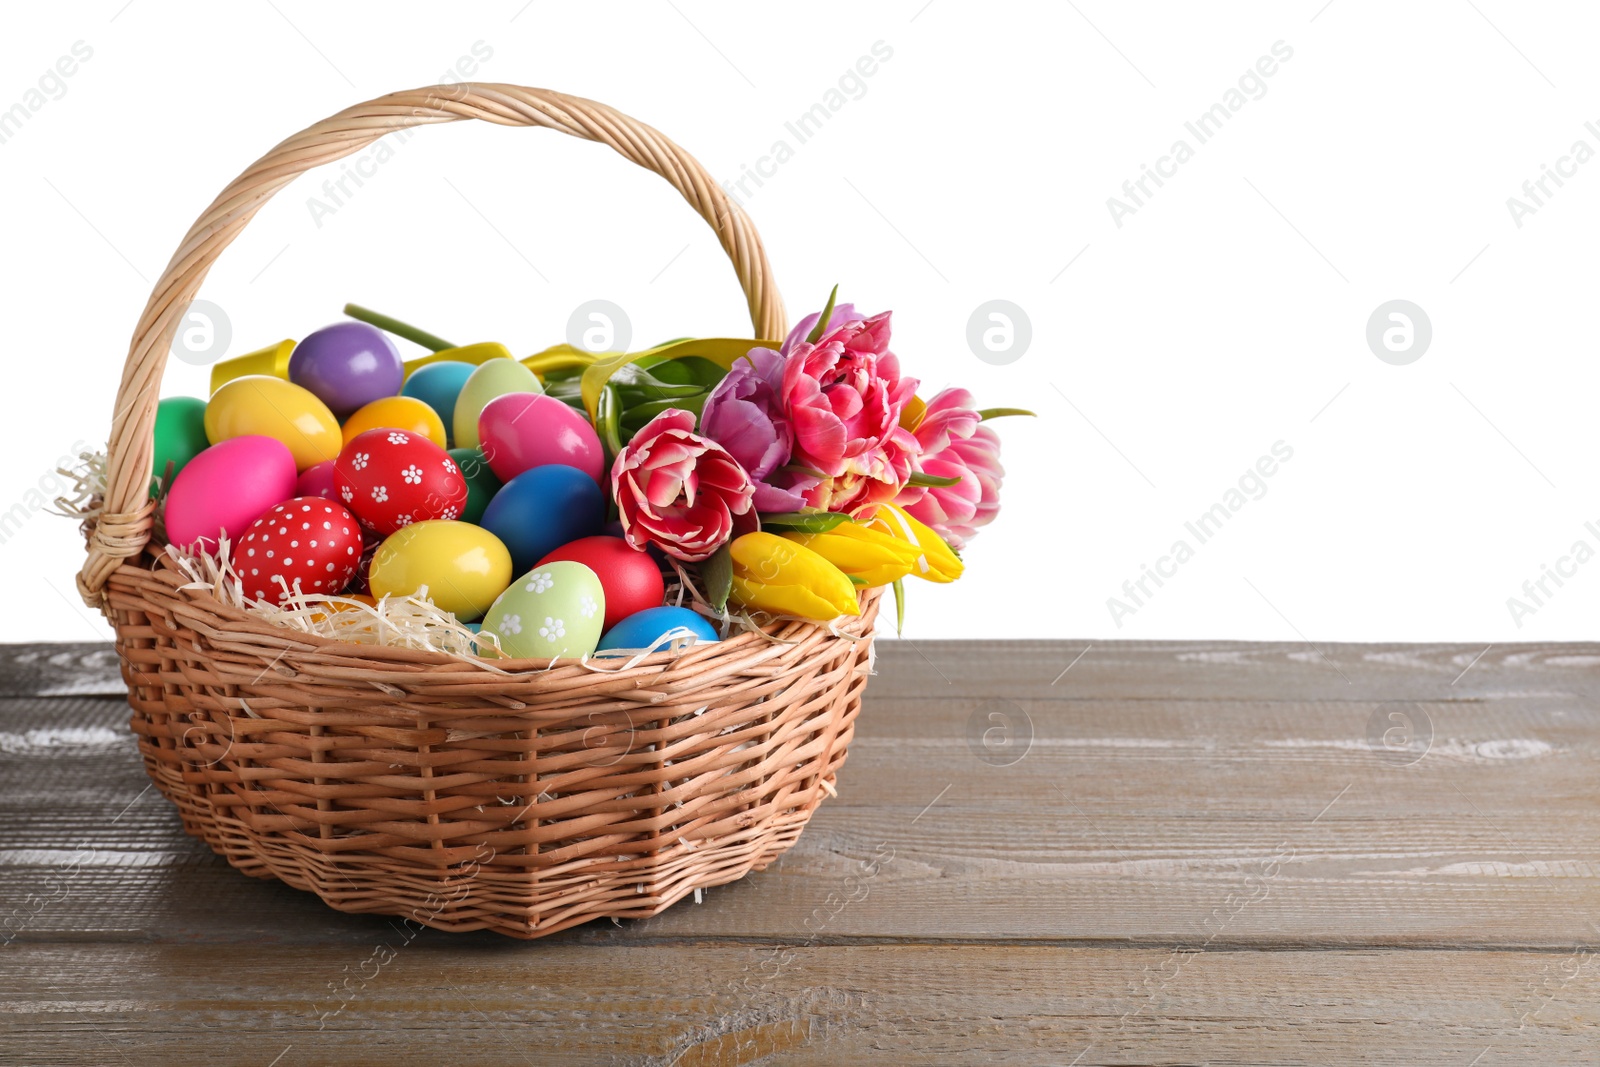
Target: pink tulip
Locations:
point(677, 490)
point(842, 313)
point(955, 445)
point(844, 396)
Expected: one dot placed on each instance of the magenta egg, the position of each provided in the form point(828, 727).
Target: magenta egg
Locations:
point(520, 431)
point(226, 488)
point(318, 480)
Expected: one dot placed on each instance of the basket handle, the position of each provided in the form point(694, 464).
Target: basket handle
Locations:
point(123, 527)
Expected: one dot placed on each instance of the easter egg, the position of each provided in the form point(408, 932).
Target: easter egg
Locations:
point(462, 566)
point(493, 378)
point(520, 431)
point(347, 364)
point(631, 579)
point(540, 510)
point(271, 407)
point(482, 485)
point(551, 611)
point(180, 436)
point(333, 607)
point(226, 488)
point(318, 481)
point(307, 540)
point(396, 413)
point(393, 478)
point(644, 629)
point(437, 385)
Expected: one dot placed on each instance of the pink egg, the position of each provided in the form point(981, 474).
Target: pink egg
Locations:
point(226, 488)
point(318, 480)
point(520, 431)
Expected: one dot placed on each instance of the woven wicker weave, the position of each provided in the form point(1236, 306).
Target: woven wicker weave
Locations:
point(418, 784)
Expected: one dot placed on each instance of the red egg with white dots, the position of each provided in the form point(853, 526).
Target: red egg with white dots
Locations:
point(307, 544)
point(393, 478)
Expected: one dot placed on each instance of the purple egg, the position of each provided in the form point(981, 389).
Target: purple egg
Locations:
point(347, 365)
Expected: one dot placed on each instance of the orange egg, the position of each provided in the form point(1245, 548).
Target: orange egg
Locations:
point(318, 614)
point(396, 413)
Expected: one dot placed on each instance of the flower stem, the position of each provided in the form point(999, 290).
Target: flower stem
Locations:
point(398, 328)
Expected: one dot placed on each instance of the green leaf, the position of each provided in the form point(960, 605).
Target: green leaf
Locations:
point(634, 417)
point(716, 574)
point(644, 383)
point(687, 370)
point(822, 320)
point(899, 605)
point(719, 350)
point(608, 424)
point(805, 521)
point(995, 413)
point(856, 579)
point(918, 478)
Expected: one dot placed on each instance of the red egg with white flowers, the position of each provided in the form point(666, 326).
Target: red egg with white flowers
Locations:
point(305, 544)
point(393, 478)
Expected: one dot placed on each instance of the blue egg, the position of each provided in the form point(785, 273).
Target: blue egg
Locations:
point(437, 385)
point(542, 509)
point(643, 628)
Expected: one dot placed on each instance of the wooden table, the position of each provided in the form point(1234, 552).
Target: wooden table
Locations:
point(1041, 853)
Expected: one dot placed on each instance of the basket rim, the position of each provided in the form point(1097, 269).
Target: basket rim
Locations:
point(165, 574)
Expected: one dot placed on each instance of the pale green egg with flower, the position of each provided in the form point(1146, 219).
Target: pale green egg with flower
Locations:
point(557, 610)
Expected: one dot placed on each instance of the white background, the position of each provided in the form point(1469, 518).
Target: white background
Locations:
point(1227, 314)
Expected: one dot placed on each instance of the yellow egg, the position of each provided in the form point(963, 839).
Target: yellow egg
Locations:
point(271, 407)
point(463, 566)
point(396, 413)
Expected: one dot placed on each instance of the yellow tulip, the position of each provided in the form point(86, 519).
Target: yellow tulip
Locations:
point(871, 555)
point(935, 561)
point(774, 574)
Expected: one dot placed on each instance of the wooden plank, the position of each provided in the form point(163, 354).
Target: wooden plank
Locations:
point(1132, 820)
point(464, 1000)
point(1232, 670)
point(59, 670)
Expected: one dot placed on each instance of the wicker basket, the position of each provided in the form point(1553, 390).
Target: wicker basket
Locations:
point(418, 784)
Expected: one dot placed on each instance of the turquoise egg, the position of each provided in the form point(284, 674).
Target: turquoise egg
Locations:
point(644, 628)
point(437, 385)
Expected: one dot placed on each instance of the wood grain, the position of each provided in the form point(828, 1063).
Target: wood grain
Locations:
point(1170, 853)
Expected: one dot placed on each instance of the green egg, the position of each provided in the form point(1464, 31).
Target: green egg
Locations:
point(180, 435)
point(482, 485)
point(494, 377)
point(554, 611)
